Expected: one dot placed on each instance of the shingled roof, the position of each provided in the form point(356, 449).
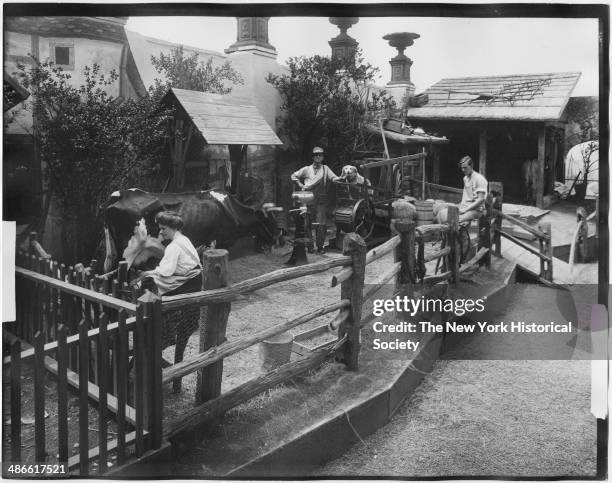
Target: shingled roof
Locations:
point(224, 119)
point(527, 97)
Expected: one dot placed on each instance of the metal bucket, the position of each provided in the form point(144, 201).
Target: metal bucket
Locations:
point(275, 351)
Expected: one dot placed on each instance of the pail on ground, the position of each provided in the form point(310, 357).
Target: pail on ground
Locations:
point(275, 351)
point(424, 211)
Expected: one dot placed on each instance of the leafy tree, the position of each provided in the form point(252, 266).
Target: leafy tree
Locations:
point(325, 101)
point(90, 145)
point(584, 116)
point(188, 72)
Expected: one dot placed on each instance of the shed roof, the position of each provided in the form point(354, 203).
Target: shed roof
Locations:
point(525, 97)
point(224, 119)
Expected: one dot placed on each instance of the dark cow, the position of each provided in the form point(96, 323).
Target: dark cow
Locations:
point(207, 215)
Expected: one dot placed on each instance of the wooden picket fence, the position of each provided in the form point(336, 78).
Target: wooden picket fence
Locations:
point(90, 342)
point(79, 328)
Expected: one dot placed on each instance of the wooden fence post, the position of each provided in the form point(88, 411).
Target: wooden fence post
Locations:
point(405, 253)
point(453, 242)
point(154, 394)
point(213, 323)
point(498, 189)
point(546, 268)
point(352, 289)
point(484, 236)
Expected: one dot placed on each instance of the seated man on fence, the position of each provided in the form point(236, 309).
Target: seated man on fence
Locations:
point(475, 188)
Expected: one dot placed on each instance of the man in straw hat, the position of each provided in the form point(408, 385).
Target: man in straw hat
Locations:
point(316, 178)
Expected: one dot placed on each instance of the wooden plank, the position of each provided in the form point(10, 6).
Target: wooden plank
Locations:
point(482, 152)
point(522, 224)
point(79, 291)
point(139, 381)
point(83, 399)
point(540, 167)
point(16, 401)
point(212, 409)
point(122, 381)
point(62, 394)
point(156, 427)
point(213, 325)
point(39, 399)
point(406, 160)
point(373, 255)
point(240, 289)
point(523, 245)
point(72, 340)
point(93, 453)
point(228, 348)
point(102, 384)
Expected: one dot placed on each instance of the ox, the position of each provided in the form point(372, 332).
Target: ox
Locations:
point(207, 215)
point(529, 172)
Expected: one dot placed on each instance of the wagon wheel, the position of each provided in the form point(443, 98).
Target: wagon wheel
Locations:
point(363, 218)
point(464, 243)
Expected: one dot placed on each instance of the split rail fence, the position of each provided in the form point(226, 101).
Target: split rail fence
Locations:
point(93, 335)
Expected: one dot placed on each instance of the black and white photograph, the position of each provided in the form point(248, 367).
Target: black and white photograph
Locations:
point(305, 241)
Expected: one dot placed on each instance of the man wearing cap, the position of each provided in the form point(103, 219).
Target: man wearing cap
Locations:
point(475, 187)
point(317, 178)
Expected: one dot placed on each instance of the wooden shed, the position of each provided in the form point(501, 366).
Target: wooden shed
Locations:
point(501, 122)
point(206, 119)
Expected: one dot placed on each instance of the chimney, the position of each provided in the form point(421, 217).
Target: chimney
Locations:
point(252, 35)
point(343, 46)
point(400, 86)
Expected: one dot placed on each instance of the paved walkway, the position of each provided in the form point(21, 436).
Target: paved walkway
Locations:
point(562, 217)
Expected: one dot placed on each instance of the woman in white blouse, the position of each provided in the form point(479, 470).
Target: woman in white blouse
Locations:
point(179, 271)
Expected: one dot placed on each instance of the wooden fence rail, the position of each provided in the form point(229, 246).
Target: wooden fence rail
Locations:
point(66, 316)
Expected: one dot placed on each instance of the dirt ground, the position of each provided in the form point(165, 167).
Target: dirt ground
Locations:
point(499, 418)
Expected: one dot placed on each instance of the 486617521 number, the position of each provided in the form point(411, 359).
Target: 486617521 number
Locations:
point(34, 470)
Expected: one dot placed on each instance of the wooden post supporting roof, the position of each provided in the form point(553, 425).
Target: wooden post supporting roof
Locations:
point(482, 153)
point(540, 168)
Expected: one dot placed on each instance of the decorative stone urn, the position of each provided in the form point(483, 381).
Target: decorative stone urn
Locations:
point(400, 64)
point(343, 46)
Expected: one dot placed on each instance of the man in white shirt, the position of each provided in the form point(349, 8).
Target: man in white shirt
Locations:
point(317, 178)
point(475, 188)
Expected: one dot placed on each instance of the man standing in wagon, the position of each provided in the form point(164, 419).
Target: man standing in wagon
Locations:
point(316, 178)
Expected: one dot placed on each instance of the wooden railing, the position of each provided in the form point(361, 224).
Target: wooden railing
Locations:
point(347, 321)
point(91, 342)
point(83, 337)
point(542, 233)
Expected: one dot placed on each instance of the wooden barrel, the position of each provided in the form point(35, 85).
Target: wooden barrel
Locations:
point(424, 212)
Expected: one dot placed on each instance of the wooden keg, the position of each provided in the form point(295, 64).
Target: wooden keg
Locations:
point(424, 212)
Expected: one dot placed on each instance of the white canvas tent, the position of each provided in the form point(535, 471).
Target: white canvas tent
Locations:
point(575, 165)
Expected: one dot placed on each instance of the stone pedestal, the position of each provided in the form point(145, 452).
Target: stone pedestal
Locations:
point(252, 34)
point(400, 86)
point(343, 46)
